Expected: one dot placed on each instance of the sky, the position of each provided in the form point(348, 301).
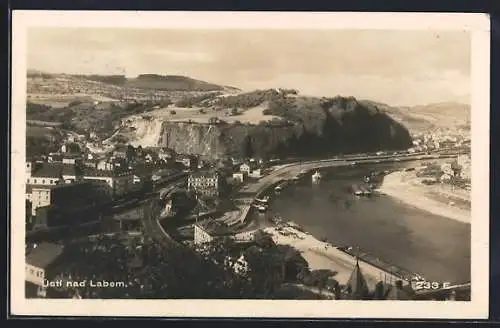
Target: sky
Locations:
point(402, 68)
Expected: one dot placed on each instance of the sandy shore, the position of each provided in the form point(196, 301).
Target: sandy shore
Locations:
point(318, 254)
point(400, 186)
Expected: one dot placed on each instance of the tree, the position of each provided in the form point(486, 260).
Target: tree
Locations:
point(173, 112)
point(140, 151)
point(234, 111)
point(130, 152)
point(263, 239)
point(456, 168)
point(248, 150)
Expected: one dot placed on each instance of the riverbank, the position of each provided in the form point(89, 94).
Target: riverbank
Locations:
point(318, 254)
point(403, 187)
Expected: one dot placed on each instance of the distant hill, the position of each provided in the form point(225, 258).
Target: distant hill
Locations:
point(171, 83)
point(448, 115)
point(158, 82)
point(208, 119)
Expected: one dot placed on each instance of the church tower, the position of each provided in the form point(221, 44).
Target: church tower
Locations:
point(356, 287)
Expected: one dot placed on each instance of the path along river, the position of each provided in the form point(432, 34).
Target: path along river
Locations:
point(405, 236)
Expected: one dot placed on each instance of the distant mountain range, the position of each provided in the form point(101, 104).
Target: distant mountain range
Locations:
point(415, 118)
point(420, 118)
point(146, 81)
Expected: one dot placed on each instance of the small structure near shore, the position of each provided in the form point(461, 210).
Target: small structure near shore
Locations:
point(206, 231)
point(316, 177)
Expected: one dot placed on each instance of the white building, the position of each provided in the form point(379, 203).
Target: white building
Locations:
point(446, 168)
point(201, 235)
point(256, 173)
point(207, 182)
point(105, 165)
point(239, 176)
point(113, 184)
point(38, 264)
point(206, 231)
point(245, 168)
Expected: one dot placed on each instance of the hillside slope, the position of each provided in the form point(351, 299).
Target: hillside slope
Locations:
point(279, 124)
point(171, 83)
point(422, 118)
point(213, 120)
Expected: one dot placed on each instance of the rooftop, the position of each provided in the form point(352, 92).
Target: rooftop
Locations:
point(53, 170)
point(204, 173)
point(44, 254)
point(72, 155)
point(214, 228)
point(57, 186)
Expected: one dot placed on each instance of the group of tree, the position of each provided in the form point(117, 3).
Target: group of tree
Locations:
point(203, 100)
point(37, 146)
point(152, 271)
point(248, 99)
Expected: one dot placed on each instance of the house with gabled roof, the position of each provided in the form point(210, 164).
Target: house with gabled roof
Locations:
point(40, 260)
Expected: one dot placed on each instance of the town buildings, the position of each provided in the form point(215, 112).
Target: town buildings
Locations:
point(206, 183)
point(189, 161)
point(114, 183)
point(40, 260)
point(64, 204)
point(167, 155)
point(207, 231)
point(251, 169)
point(239, 177)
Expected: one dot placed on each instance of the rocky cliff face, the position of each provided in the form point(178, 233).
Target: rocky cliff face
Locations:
point(267, 140)
point(202, 139)
point(333, 126)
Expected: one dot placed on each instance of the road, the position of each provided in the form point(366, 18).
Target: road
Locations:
point(153, 228)
point(281, 172)
point(288, 171)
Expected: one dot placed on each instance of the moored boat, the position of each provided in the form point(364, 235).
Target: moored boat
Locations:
point(263, 200)
point(260, 207)
point(316, 176)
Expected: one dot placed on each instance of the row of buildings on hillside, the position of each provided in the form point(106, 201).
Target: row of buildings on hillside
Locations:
point(437, 141)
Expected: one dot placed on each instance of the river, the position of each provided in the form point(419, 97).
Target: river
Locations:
point(436, 247)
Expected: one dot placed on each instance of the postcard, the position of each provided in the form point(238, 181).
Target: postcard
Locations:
point(250, 164)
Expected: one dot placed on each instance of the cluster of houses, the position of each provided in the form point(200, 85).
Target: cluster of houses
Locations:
point(250, 169)
point(437, 141)
point(461, 168)
point(65, 177)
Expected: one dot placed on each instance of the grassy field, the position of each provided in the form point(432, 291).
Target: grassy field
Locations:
point(38, 131)
point(252, 115)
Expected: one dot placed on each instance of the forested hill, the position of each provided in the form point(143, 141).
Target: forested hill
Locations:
point(157, 82)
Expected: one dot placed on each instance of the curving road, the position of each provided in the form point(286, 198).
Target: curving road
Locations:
point(290, 170)
point(287, 171)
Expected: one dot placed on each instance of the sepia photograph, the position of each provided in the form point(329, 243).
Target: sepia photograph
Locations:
point(270, 158)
